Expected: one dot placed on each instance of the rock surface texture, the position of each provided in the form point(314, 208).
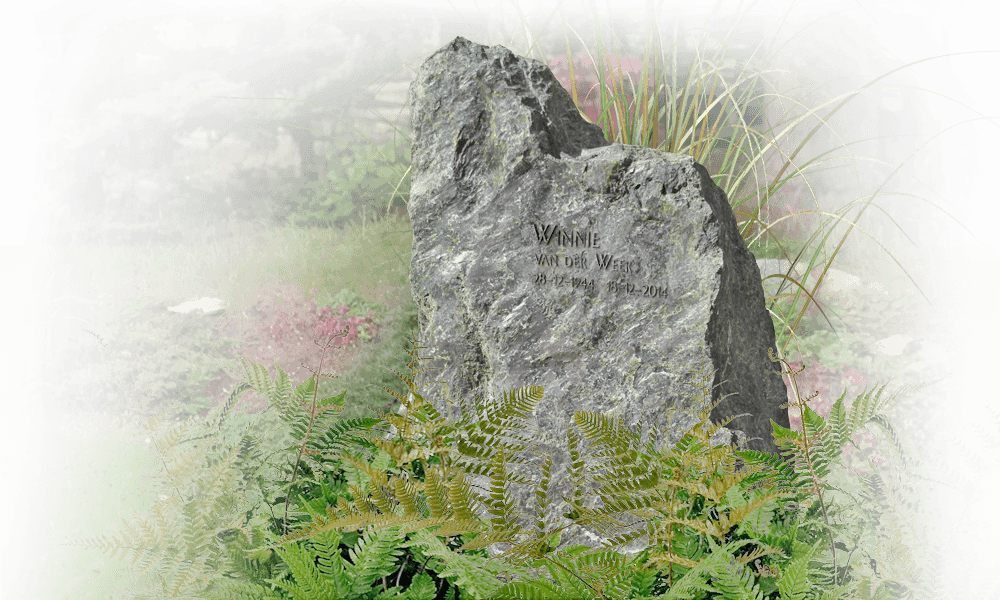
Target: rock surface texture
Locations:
point(611, 275)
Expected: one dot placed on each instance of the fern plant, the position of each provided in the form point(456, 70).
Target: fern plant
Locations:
point(251, 517)
point(854, 511)
point(225, 491)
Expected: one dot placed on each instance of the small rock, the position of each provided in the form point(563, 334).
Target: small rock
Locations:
point(206, 305)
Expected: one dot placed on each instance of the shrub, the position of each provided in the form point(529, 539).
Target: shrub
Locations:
point(297, 317)
point(346, 185)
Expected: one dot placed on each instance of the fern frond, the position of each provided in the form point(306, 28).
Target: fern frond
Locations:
point(736, 581)
point(176, 551)
point(230, 589)
point(476, 575)
point(308, 582)
point(689, 496)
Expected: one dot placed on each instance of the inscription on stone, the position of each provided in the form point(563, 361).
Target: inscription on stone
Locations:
point(579, 265)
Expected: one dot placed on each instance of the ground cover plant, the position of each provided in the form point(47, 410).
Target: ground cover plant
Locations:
point(328, 260)
point(227, 507)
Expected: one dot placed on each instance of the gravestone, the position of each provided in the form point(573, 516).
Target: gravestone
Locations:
point(609, 274)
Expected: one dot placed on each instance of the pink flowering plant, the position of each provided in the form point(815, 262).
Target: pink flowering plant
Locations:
point(326, 327)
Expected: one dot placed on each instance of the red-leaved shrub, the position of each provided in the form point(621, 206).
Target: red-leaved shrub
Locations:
point(315, 324)
point(283, 326)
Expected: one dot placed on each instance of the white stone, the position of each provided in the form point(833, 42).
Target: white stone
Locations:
point(206, 305)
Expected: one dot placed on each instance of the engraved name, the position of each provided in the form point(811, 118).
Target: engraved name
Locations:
point(555, 235)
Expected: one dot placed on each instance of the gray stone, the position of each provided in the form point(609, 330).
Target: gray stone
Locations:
point(606, 273)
